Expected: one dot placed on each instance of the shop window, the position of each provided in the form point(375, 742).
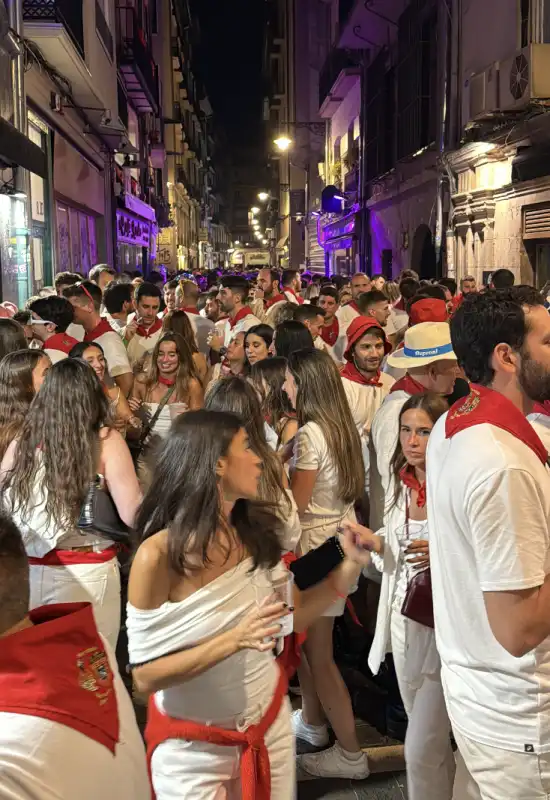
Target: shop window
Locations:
point(76, 240)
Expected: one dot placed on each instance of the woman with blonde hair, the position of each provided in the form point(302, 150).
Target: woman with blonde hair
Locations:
point(327, 480)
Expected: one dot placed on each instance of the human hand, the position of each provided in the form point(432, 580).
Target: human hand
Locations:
point(215, 341)
point(135, 403)
point(418, 554)
point(256, 631)
point(131, 330)
point(258, 293)
point(358, 542)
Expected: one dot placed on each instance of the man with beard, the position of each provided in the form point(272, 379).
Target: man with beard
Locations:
point(232, 297)
point(488, 491)
point(364, 384)
point(267, 295)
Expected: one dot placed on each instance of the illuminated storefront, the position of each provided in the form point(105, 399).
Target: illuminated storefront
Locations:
point(339, 240)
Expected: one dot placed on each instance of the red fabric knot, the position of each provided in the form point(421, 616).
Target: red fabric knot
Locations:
point(409, 479)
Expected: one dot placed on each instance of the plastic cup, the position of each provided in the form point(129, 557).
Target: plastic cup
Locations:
point(280, 589)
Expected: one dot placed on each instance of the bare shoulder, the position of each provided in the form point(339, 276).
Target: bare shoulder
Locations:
point(110, 439)
point(149, 584)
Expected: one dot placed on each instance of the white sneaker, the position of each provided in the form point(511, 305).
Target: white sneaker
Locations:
point(316, 735)
point(333, 763)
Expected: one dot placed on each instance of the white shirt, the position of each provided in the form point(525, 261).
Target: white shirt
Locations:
point(382, 444)
point(489, 514)
point(115, 352)
point(202, 328)
point(541, 424)
point(346, 314)
point(243, 324)
point(140, 346)
point(76, 331)
point(364, 402)
point(45, 760)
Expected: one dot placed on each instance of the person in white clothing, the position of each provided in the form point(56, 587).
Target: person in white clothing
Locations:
point(327, 479)
point(144, 330)
point(203, 614)
point(268, 297)
point(331, 335)
point(67, 726)
point(64, 446)
point(430, 365)
point(62, 281)
point(360, 283)
point(50, 318)
point(399, 549)
point(232, 296)
point(540, 420)
point(22, 374)
point(118, 302)
point(488, 490)
point(291, 283)
point(365, 385)
point(85, 298)
point(187, 298)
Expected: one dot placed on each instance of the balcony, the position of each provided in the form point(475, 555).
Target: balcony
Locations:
point(368, 25)
point(139, 71)
point(338, 76)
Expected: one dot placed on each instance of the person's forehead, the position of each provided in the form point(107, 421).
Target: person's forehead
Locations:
point(371, 338)
point(538, 320)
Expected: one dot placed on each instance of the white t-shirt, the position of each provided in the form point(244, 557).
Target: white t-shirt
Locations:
point(140, 346)
point(541, 424)
point(202, 328)
point(243, 324)
point(489, 515)
point(346, 314)
point(45, 760)
point(113, 347)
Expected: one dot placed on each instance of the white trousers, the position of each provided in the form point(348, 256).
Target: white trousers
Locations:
point(98, 584)
point(202, 771)
point(490, 773)
point(428, 752)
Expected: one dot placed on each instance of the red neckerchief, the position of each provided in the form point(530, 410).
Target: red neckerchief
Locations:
point(146, 333)
point(60, 341)
point(330, 333)
point(99, 330)
point(279, 298)
point(58, 670)
point(191, 310)
point(354, 305)
point(351, 372)
point(166, 381)
point(542, 408)
point(241, 314)
point(399, 305)
point(409, 479)
point(409, 385)
point(485, 406)
point(297, 297)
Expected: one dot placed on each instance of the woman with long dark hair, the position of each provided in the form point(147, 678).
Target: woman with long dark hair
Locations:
point(289, 337)
point(268, 378)
point(257, 342)
point(238, 397)
point(234, 361)
point(12, 337)
point(121, 413)
point(399, 549)
point(327, 480)
point(177, 321)
point(21, 376)
point(65, 444)
point(203, 614)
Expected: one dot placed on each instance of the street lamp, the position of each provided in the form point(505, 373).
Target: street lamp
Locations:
point(263, 196)
point(283, 143)
point(255, 210)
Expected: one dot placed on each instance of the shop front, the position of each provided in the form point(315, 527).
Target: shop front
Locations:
point(136, 235)
point(339, 240)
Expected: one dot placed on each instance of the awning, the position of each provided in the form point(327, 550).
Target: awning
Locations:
point(18, 151)
point(282, 242)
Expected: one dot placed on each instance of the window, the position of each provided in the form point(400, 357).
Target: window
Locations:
point(76, 239)
point(380, 124)
point(524, 20)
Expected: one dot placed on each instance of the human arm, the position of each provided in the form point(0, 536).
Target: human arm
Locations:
point(125, 381)
point(312, 603)
point(510, 539)
point(306, 467)
point(149, 588)
point(120, 476)
point(196, 395)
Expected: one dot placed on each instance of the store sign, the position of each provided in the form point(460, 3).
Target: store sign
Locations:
point(131, 230)
point(137, 206)
point(166, 248)
point(341, 227)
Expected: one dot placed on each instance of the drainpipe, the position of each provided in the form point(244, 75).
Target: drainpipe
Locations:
point(446, 116)
point(15, 16)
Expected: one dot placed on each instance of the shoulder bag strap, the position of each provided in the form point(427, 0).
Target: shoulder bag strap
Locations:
point(152, 422)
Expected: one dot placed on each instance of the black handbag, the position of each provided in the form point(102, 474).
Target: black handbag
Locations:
point(311, 569)
point(99, 514)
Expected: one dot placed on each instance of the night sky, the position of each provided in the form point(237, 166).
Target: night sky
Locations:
point(231, 61)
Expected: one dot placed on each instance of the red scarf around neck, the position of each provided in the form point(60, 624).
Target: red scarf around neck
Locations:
point(145, 333)
point(278, 298)
point(297, 297)
point(486, 406)
point(354, 305)
point(101, 328)
point(60, 341)
point(409, 385)
point(542, 408)
point(58, 670)
point(241, 314)
point(330, 333)
point(166, 381)
point(191, 310)
point(409, 479)
point(351, 372)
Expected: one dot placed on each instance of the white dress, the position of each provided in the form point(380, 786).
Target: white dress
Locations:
point(233, 694)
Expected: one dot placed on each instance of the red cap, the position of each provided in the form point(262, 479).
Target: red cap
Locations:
point(357, 329)
point(428, 310)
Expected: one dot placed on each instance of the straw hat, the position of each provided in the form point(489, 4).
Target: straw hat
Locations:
point(424, 344)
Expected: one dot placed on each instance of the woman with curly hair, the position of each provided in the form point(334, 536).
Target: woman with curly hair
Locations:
point(65, 444)
point(21, 376)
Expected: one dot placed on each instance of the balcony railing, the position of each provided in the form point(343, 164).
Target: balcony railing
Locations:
point(337, 61)
point(65, 12)
point(136, 61)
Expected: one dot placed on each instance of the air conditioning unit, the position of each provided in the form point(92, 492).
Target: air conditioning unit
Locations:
point(525, 77)
point(481, 94)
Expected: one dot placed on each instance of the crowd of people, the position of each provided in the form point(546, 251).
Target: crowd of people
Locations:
point(254, 447)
